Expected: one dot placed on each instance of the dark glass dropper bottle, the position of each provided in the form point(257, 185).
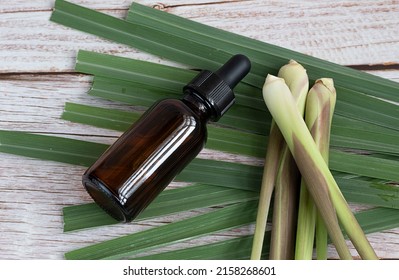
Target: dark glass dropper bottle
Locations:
point(146, 158)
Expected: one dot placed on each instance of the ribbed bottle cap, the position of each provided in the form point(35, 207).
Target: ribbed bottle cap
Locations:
point(216, 88)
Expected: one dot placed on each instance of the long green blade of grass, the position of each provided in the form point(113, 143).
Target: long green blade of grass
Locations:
point(141, 72)
point(126, 246)
point(373, 220)
point(155, 41)
point(271, 56)
point(58, 149)
point(233, 249)
point(157, 77)
point(203, 171)
point(365, 165)
point(134, 92)
point(168, 202)
point(375, 138)
point(85, 153)
point(367, 136)
point(219, 138)
point(123, 72)
point(232, 175)
point(362, 165)
point(354, 190)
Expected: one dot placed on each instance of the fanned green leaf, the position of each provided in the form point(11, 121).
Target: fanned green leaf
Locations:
point(168, 202)
point(126, 246)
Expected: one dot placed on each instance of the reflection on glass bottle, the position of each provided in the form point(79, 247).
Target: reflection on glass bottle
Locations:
point(146, 158)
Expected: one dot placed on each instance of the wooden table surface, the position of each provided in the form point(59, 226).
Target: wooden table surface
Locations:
point(37, 78)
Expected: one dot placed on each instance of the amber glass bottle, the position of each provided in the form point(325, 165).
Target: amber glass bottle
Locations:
point(146, 158)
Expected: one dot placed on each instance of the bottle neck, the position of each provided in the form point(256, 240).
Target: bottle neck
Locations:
point(198, 105)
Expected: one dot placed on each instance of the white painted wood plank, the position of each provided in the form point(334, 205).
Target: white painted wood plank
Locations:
point(10, 6)
point(361, 33)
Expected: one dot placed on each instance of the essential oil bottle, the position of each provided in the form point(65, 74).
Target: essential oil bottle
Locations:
point(147, 157)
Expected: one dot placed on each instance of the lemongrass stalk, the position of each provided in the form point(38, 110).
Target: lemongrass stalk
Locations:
point(314, 170)
point(273, 153)
point(306, 225)
point(320, 106)
point(324, 148)
point(277, 96)
point(285, 209)
point(321, 237)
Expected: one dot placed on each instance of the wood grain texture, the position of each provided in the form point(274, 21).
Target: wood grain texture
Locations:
point(351, 33)
point(36, 79)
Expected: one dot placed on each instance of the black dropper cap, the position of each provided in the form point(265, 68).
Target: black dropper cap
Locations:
point(216, 88)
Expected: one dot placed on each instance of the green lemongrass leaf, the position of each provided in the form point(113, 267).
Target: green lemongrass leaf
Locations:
point(226, 174)
point(84, 153)
point(378, 219)
point(346, 133)
point(143, 72)
point(137, 93)
point(234, 141)
point(232, 175)
point(352, 100)
point(130, 73)
point(138, 36)
point(127, 246)
point(168, 202)
point(359, 106)
point(238, 248)
point(154, 41)
point(132, 93)
point(142, 92)
point(313, 168)
point(369, 192)
point(266, 54)
point(219, 138)
point(99, 117)
point(58, 149)
point(354, 189)
point(373, 220)
point(365, 165)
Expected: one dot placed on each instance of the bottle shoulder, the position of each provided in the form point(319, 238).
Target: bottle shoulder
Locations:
point(181, 107)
